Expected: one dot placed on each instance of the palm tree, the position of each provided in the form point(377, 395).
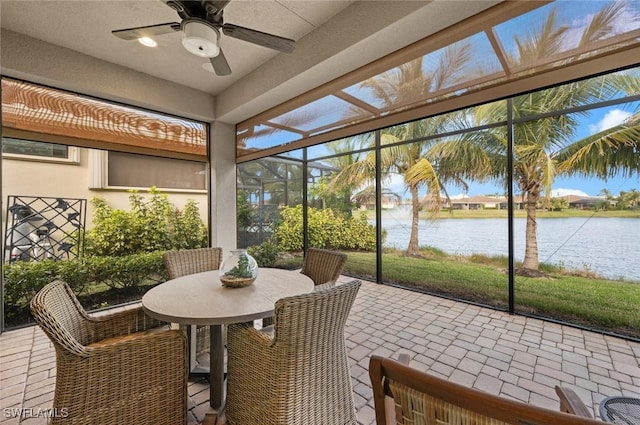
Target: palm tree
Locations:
point(606, 202)
point(339, 199)
point(402, 85)
point(634, 198)
point(544, 149)
point(628, 200)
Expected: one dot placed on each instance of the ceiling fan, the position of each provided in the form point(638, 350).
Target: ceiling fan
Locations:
point(201, 25)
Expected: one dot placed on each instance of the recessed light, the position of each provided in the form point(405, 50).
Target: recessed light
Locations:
point(147, 41)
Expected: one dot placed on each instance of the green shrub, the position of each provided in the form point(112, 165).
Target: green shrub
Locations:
point(150, 225)
point(126, 271)
point(22, 280)
point(266, 254)
point(325, 230)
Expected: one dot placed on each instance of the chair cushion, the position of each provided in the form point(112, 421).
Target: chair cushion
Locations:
point(127, 337)
point(268, 330)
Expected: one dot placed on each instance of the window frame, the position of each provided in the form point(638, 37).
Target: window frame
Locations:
point(99, 175)
point(73, 155)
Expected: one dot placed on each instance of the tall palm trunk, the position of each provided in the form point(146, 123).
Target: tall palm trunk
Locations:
point(531, 245)
point(412, 250)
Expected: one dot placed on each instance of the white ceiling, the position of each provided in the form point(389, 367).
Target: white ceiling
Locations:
point(332, 38)
point(85, 26)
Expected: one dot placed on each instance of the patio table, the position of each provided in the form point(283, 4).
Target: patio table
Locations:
point(200, 299)
point(620, 410)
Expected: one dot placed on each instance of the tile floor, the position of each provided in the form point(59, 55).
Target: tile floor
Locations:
point(512, 356)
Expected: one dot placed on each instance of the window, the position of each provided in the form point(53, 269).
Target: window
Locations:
point(118, 169)
point(40, 151)
point(530, 203)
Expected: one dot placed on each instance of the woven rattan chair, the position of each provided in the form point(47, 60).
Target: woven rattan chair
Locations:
point(112, 369)
point(426, 399)
point(323, 266)
point(301, 375)
point(186, 262)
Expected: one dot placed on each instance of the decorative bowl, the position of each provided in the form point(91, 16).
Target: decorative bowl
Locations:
point(238, 270)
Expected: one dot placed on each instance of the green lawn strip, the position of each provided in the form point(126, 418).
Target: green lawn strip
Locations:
point(476, 282)
point(604, 304)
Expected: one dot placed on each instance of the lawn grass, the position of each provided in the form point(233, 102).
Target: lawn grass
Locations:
point(595, 303)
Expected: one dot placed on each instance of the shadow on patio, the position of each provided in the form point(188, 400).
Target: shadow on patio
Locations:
point(511, 356)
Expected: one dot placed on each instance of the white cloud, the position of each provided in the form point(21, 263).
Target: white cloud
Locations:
point(556, 193)
point(395, 183)
point(611, 119)
point(460, 196)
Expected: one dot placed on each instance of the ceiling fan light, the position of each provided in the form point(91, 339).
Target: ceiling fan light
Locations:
point(147, 41)
point(200, 39)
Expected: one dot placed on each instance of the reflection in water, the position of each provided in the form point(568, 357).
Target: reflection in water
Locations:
point(609, 247)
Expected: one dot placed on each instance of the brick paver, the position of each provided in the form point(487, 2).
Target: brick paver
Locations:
point(512, 356)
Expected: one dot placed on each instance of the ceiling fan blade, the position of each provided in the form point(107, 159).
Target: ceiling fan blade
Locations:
point(220, 64)
point(147, 31)
point(271, 41)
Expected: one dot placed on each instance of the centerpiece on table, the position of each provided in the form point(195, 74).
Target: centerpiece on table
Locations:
point(238, 270)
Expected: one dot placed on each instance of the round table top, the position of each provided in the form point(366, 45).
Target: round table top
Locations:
point(200, 299)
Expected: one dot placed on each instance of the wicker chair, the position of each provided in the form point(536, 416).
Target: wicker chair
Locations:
point(186, 262)
point(426, 399)
point(112, 369)
point(301, 375)
point(323, 266)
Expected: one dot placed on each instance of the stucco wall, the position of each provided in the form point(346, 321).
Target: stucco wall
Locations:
point(67, 180)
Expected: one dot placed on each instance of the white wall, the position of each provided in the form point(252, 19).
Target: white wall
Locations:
point(71, 180)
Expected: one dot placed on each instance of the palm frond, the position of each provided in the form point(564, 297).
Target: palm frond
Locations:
point(605, 154)
point(541, 42)
point(355, 174)
point(451, 65)
point(422, 173)
point(601, 25)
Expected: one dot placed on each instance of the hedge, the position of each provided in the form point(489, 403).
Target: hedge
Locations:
point(85, 277)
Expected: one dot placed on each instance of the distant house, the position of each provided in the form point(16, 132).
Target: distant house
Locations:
point(518, 202)
point(388, 201)
point(582, 202)
point(478, 202)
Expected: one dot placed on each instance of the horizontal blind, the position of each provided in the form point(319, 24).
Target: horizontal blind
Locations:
point(42, 112)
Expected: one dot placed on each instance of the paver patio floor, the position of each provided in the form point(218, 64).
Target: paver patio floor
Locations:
point(511, 356)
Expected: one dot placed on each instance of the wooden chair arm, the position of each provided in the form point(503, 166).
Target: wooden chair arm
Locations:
point(571, 403)
point(419, 394)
